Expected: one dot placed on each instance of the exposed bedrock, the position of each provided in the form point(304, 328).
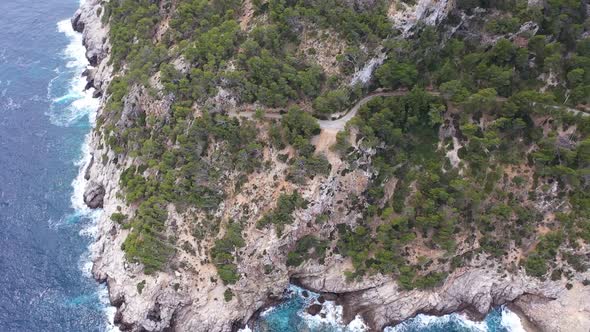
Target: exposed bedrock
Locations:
point(472, 290)
point(87, 21)
point(94, 195)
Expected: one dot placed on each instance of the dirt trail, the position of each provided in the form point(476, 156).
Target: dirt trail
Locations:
point(340, 123)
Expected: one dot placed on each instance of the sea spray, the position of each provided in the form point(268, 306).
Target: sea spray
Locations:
point(70, 102)
point(511, 321)
point(291, 315)
point(75, 106)
point(498, 320)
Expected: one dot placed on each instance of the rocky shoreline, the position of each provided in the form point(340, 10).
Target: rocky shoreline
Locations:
point(171, 301)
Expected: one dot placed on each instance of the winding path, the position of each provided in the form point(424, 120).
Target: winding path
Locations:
point(340, 123)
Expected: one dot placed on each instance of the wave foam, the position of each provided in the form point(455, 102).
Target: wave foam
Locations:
point(70, 103)
point(507, 321)
point(330, 318)
point(511, 321)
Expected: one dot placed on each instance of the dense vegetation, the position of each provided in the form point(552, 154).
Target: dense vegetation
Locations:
point(496, 108)
point(308, 247)
point(489, 98)
point(183, 158)
point(283, 214)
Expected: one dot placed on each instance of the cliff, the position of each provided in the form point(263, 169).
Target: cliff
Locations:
point(188, 295)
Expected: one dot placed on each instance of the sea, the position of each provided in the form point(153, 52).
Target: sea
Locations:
point(45, 230)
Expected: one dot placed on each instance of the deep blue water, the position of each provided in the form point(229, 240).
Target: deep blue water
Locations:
point(43, 248)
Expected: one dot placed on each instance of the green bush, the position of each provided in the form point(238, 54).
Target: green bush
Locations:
point(308, 247)
point(140, 286)
point(224, 251)
point(147, 242)
point(228, 295)
point(118, 217)
point(283, 214)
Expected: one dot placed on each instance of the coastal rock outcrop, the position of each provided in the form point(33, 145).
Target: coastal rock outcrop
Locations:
point(314, 309)
point(405, 16)
point(569, 311)
point(474, 290)
point(94, 195)
point(95, 35)
point(77, 23)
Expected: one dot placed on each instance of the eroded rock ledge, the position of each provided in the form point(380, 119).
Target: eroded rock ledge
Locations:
point(473, 290)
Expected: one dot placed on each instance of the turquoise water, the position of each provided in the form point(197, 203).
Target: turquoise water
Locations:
point(291, 316)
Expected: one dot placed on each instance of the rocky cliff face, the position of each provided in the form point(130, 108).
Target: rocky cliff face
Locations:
point(189, 296)
point(431, 12)
point(474, 290)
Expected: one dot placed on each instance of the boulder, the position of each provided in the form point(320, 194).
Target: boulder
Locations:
point(314, 309)
point(97, 93)
point(77, 23)
point(94, 195)
point(89, 85)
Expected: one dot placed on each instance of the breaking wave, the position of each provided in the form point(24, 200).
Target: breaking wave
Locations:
point(292, 316)
point(69, 101)
point(499, 320)
point(72, 105)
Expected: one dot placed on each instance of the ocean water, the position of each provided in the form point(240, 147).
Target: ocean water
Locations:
point(45, 283)
point(291, 316)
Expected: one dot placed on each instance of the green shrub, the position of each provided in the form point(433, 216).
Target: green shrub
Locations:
point(228, 295)
point(283, 214)
point(118, 217)
point(140, 286)
point(308, 247)
point(224, 251)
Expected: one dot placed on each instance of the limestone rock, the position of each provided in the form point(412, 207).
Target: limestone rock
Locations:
point(430, 12)
point(88, 168)
point(570, 311)
point(77, 23)
point(94, 195)
point(474, 290)
point(87, 21)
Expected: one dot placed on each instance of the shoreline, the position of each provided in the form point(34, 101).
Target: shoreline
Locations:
point(92, 104)
point(527, 325)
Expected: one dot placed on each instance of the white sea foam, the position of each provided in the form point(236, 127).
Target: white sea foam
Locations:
point(79, 183)
point(110, 311)
point(330, 315)
point(511, 321)
point(9, 104)
point(424, 321)
point(67, 108)
point(70, 106)
point(3, 56)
